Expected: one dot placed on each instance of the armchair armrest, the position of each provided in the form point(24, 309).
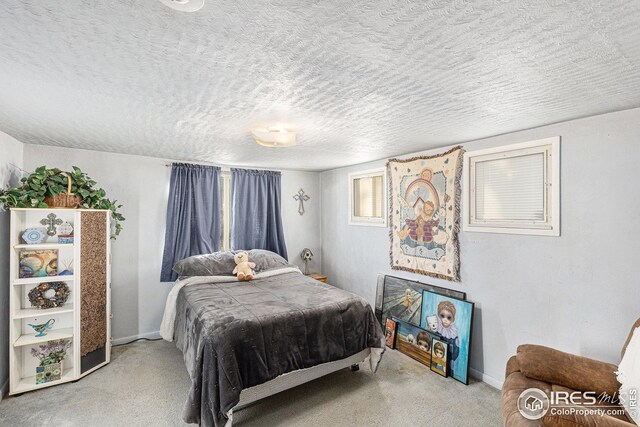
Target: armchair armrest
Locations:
point(568, 370)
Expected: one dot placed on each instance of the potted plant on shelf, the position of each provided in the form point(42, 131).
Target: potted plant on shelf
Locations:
point(55, 188)
point(51, 356)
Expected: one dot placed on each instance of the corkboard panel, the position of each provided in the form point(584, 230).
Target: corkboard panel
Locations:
point(93, 276)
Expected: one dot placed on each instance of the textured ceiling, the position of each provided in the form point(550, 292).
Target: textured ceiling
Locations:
point(359, 80)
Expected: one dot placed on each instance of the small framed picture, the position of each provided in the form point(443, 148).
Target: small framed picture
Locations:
point(390, 333)
point(38, 263)
point(414, 342)
point(439, 354)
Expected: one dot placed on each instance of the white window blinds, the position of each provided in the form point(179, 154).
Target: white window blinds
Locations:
point(368, 198)
point(368, 195)
point(511, 189)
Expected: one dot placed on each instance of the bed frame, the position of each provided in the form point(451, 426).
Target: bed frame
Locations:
point(289, 380)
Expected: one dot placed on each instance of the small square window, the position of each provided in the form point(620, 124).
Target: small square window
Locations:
point(514, 189)
point(368, 198)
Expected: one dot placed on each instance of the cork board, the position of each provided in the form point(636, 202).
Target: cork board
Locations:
point(93, 276)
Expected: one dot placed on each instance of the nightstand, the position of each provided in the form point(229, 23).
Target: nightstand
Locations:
point(318, 277)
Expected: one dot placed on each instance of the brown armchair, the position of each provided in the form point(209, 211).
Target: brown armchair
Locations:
point(549, 370)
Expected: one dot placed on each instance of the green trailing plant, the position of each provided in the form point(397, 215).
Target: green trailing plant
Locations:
point(49, 182)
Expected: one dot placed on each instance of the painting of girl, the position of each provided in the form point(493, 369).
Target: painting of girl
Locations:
point(439, 357)
point(453, 324)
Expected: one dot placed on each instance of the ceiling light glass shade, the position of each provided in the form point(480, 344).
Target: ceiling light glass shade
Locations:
point(184, 5)
point(274, 137)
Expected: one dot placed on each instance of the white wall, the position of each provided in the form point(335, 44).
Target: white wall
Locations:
point(302, 231)
point(10, 164)
point(141, 184)
point(577, 292)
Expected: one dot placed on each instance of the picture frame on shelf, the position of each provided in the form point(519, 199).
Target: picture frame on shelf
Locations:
point(38, 263)
point(454, 319)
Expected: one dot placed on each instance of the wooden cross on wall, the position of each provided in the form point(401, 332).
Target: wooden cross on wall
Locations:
point(301, 198)
point(51, 221)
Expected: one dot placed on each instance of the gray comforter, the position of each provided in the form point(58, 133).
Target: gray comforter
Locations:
point(236, 335)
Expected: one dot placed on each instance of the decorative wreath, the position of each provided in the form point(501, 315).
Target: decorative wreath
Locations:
point(38, 299)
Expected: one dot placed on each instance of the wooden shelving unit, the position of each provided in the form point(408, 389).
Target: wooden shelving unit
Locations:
point(68, 317)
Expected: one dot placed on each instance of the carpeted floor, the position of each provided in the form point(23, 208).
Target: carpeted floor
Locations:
point(146, 385)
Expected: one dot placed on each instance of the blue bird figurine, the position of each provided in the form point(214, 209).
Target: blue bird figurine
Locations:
point(42, 327)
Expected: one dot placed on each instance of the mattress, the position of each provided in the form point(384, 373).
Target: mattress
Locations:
point(238, 335)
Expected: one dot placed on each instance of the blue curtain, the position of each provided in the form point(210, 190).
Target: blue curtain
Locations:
point(255, 211)
point(193, 215)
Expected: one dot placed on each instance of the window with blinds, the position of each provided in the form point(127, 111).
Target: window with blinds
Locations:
point(367, 198)
point(513, 189)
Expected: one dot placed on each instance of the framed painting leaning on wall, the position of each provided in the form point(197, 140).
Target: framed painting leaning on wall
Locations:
point(452, 320)
point(424, 213)
point(402, 298)
point(414, 342)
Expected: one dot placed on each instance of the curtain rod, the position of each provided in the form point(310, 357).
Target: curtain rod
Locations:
point(228, 168)
point(190, 163)
point(222, 169)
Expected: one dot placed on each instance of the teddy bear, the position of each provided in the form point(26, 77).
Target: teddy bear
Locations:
point(244, 268)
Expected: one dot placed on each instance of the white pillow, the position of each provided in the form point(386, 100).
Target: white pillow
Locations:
point(629, 377)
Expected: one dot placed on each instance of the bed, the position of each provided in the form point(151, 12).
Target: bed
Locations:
point(243, 341)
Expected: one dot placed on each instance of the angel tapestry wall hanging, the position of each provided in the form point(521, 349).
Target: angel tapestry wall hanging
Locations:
point(425, 214)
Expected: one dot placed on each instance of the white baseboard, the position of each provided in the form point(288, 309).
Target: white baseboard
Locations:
point(150, 335)
point(486, 378)
point(4, 389)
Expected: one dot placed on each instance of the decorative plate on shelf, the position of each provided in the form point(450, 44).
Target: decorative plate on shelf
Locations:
point(65, 229)
point(33, 236)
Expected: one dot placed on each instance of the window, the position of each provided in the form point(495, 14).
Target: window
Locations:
point(225, 212)
point(368, 198)
point(514, 189)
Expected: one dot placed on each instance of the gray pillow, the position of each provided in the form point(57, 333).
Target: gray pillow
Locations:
point(215, 264)
point(222, 263)
point(265, 260)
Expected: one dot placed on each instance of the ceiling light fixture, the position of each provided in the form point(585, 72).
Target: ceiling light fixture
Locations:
point(274, 137)
point(184, 5)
